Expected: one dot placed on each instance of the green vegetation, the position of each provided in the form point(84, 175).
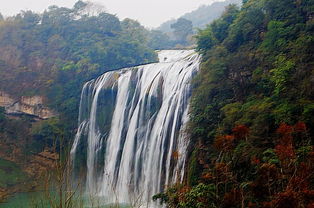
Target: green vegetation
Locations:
point(54, 53)
point(26, 199)
point(252, 110)
point(178, 33)
point(45, 133)
point(182, 29)
point(10, 174)
point(202, 16)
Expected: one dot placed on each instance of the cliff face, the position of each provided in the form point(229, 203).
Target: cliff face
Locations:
point(30, 105)
point(5, 99)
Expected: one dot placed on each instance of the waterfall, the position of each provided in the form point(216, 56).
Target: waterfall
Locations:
point(131, 132)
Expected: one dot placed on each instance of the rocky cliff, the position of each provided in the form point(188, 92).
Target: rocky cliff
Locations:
point(30, 105)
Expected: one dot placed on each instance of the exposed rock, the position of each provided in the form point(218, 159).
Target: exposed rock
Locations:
point(30, 105)
point(42, 162)
point(5, 99)
point(48, 154)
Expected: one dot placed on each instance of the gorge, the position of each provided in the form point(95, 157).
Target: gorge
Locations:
point(90, 118)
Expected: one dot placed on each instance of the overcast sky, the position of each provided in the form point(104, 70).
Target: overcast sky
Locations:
point(150, 13)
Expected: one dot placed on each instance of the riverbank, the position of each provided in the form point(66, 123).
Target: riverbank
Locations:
point(18, 176)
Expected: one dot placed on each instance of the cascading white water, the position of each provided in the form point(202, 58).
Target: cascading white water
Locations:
point(131, 128)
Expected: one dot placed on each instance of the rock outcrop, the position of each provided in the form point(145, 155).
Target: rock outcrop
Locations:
point(30, 105)
point(5, 99)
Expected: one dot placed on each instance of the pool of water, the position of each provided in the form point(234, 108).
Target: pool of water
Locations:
point(38, 200)
point(24, 200)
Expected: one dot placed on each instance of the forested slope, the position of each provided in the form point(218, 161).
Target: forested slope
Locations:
point(202, 16)
point(252, 122)
point(54, 53)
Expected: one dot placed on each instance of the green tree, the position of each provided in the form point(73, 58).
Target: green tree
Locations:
point(133, 29)
point(29, 18)
point(282, 73)
point(276, 37)
point(181, 29)
point(220, 27)
point(159, 40)
point(217, 31)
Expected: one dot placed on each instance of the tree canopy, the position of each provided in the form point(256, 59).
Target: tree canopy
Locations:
point(182, 29)
point(55, 52)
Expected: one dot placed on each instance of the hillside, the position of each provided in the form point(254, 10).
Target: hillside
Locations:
point(202, 16)
point(252, 110)
point(52, 54)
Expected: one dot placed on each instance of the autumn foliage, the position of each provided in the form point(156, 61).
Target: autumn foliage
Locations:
point(280, 177)
point(282, 184)
point(240, 132)
point(224, 143)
